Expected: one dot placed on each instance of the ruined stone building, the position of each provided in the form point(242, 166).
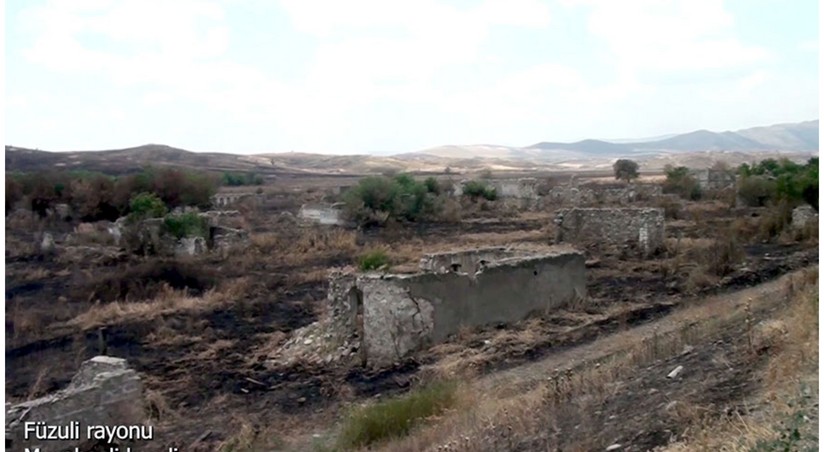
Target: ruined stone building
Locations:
point(641, 228)
point(393, 315)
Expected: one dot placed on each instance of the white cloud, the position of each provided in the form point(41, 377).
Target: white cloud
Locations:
point(669, 35)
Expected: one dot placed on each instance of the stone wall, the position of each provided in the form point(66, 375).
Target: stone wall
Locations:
point(395, 315)
point(714, 179)
point(103, 392)
point(603, 228)
point(593, 194)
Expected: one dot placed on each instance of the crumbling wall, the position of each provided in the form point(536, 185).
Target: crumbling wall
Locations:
point(103, 392)
point(227, 199)
point(601, 228)
point(466, 261)
point(404, 313)
point(713, 179)
point(593, 194)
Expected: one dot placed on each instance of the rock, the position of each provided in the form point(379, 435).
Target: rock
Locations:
point(47, 243)
point(614, 447)
point(687, 350)
point(675, 372)
point(307, 341)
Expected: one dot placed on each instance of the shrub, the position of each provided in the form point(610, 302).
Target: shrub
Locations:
point(373, 260)
point(186, 225)
point(680, 182)
point(146, 205)
point(478, 189)
point(378, 198)
point(756, 191)
point(240, 179)
point(776, 180)
point(396, 417)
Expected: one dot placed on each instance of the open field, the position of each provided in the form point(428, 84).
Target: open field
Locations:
point(202, 331)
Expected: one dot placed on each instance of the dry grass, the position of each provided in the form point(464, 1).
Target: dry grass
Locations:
point(509, 410)
point(166, 302)
point(784, 397)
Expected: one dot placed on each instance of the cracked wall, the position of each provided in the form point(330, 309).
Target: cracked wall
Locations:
point(641, 228)
point(405, 313)
point(105, 391)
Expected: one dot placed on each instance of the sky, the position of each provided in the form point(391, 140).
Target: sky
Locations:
point(385, 77)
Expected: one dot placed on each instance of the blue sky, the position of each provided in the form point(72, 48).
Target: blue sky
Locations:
point(372, 76)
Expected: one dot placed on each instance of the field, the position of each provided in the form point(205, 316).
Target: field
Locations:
point(203, 332)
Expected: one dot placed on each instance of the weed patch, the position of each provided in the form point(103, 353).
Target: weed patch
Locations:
point(396, 417)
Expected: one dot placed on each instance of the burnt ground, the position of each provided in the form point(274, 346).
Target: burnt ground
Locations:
point(199, 383)
point(649, 409)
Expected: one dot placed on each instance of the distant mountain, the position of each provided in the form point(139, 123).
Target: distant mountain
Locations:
point(594, 147)
point(801, 136)
point(130, 160)
point(695, 149)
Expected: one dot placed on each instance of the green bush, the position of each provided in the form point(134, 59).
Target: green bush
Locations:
point(680, 182)
point(378, 198)
point(373, 260)
point(146, 205)
point(477, 189)
point(779, 180)
point(756, 191)
point(240, 179)
point(186, 225)
point(396, 417)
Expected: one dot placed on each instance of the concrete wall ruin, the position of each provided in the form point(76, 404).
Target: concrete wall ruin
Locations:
point(395, 315)
point(331, 215)
point(599, 228)
point(103, 392)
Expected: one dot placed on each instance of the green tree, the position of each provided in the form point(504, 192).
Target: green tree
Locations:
point(625, 169)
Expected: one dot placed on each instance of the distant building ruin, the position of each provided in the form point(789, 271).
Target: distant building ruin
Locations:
point(642, 228)
point(714, 179)
point(227, 199)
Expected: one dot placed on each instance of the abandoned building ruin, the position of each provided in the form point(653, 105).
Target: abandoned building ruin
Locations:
point(605, 228)
point(393, 315)
point(105, 391)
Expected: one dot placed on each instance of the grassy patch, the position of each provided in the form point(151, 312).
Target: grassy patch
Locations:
point(396, 417)
point(373, 260)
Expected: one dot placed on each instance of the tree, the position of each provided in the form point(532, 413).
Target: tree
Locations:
point(625, 169)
